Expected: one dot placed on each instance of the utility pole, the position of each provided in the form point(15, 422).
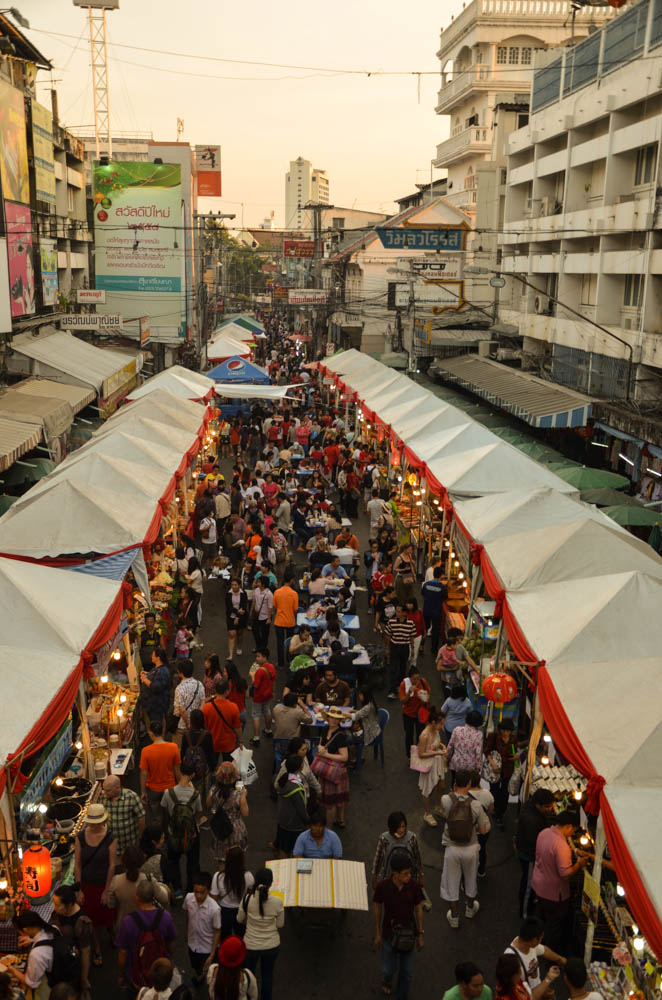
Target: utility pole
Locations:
point(316, 208)
point(204, 313)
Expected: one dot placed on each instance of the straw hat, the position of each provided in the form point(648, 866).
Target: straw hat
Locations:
point(96, 814)
point(335, 713)
point(232, 952)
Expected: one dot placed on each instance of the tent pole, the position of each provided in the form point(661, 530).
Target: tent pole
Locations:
point(85, 733)
point(534, 740)
point(472, 597)
point(600, 844)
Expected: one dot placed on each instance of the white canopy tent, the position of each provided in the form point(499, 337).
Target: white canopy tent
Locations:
point(165, 407)
point(237, 390)
point(179, 382)
point(225, 346)
point(500, 515)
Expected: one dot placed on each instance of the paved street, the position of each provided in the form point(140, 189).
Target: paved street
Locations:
point(324, 965)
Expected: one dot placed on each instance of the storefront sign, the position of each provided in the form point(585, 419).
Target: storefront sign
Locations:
point(298, 248)
point(306, 297)
point(280, 292)
point(33, 792)
point(21, 264)
point(430, 293)
point(144, 330)
point(84, 295)
point(13, 146)
point(48, 255)
point(208, 169)
point(90, 321)
point(422, 239)
point(42, 146)
point(442, 267)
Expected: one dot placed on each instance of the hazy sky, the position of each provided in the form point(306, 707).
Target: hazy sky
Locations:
point(371, 135)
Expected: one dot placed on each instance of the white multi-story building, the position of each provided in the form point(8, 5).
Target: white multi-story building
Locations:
point(489, 49)
point(303, 183)
point(583, 217)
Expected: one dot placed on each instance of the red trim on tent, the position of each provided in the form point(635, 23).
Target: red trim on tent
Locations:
point(54, 715)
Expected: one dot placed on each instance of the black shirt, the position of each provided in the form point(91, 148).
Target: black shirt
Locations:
point(530, 823)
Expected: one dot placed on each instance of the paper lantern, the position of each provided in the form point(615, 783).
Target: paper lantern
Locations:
point(499, 688)
point(37, 878)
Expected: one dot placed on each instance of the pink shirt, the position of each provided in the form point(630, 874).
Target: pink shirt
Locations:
point(552, 867)
point(465, 749)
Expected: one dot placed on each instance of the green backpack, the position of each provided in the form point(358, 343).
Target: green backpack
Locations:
point(182, 828)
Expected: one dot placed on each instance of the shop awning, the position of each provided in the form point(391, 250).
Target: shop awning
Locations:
point(180, 382)
point(458, 338)
point(78, 397)
point(15, 440)
point(62, 356)
point(539, 403)
point(52, 416)
point(51, 620)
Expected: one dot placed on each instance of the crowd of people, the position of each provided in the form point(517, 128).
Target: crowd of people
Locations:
point(274, 538)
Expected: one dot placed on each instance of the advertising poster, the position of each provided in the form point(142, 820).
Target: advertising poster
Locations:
point(13, 145)
point(42, 145)
point(138, 238)
point(208, 170)
point(21, 266)
point(48, 254)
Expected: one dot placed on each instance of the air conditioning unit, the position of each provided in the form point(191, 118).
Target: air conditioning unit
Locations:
point(541, 305)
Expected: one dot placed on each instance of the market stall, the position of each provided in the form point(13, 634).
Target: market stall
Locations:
point(180, 382)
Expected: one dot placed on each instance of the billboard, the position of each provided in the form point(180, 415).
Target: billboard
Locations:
point(13, 145)
point(208, 169)
point(21, 265)
point(298, 248)
point(306, 297)
point(42, 146)
point(138, 232)
point(48, 256)
point(88, 295)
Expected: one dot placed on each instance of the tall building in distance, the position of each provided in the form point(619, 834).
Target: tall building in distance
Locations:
point(303, 183)
point(485, 52)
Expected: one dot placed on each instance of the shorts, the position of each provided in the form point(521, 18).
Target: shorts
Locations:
point(260, 708)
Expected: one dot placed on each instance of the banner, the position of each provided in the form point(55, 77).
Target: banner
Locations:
point(208, 169)
point(298, 248)
point(48, 254)
point(13, 145)
point(21, 265)
point(42, 145)
point(90, 295)
point(139, 241)
point(91, 321)
point(306, 297)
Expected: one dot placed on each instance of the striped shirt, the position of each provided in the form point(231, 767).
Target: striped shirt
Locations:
point(400, 633)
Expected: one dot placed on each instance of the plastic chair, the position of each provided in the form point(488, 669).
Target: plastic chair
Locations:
point(286, 648)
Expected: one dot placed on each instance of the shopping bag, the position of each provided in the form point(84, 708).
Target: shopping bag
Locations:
point(416, 763)
point(243, 759)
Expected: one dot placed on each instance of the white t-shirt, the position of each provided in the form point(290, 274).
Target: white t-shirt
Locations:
point(40, 961)
point(208, 530)
point(530, 964)
point(229, 900)
point(203, 920)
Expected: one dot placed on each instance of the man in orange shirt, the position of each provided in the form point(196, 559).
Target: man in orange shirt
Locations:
point(159, 770)
point(346, 540)
point(223, 722)
point(286, 605)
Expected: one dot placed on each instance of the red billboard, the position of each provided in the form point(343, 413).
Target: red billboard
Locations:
point(298, 248)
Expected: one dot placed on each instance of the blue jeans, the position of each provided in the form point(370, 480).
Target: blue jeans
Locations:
point(389, 966)
point(267, 960)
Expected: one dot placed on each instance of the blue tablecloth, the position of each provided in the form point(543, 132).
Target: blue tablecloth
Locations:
point(348, 621)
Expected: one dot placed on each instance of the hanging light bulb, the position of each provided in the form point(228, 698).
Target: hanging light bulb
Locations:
point(43, 808)
point(460, 576)
point(419, 503)
point(104, 678)
point(452, 555)
point(3, 882)
point(547, 738)
point(117, 655)
point(456, 563)
point(577, 796)
point(544, 761)
point(620, 891)
point(78, 745)
point(122, 698)
point(447, 544)
point(583, 840)
point(638, 943)
point(59, 782)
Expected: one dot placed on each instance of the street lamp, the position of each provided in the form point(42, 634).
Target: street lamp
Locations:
point(564, 305)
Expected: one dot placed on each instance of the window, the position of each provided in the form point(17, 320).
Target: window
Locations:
point(644, 171)
point(502, 54)
point(634, 286)
point(338, 222)
point(526, 55)
point(522, 119)
point(513, 55)
point(70, 199)
point(589, 289)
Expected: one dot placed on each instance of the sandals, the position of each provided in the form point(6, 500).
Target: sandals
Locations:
point(97, 958)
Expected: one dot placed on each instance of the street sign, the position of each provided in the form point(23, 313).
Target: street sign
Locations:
point(144, 330)
point(430, 293)
point(298, 248)
point(422, 239)
point(497, 282)
point(441, 267)
point(306, 297)
point(91, 295)
point(89, 321)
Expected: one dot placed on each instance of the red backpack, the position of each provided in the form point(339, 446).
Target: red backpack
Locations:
point(149, 946)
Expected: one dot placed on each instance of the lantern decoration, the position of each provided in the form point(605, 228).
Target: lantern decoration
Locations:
point(499, 688)
point(37, 877)
point(412, 479)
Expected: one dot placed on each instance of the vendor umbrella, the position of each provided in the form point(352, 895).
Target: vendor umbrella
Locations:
point(511, 435)
point(585, 478)
point(632, 517)
point(30, 471)
point(608, 498)
point(655, 537)
point(541, 452)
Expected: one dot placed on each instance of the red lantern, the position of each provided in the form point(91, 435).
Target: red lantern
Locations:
point(499, 688)
point(37, 878)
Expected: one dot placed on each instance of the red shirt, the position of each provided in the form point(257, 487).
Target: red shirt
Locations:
point(222, 730)
point(263, 683)
point(238, 698)
point(332, 454)
point(419, 621)
point(410, 706)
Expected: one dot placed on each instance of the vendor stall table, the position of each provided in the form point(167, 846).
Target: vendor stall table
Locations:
point(348, 621)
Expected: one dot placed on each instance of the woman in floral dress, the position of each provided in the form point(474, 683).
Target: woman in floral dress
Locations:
point(224, 792)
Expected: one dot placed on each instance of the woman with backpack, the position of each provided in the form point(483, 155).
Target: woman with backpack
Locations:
point(70, 920)
point(229, 886)
point(293, 816)
point(264, 915)
point(198, 749)
point(397, 838)
point(228, 810)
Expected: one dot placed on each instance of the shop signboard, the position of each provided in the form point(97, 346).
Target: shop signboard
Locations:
point(306, 297)
point(298, 248)
point(42, 147)
point(48, 255)
point(443, 238)
point(33, 793)
point(137, 218)
point(144, 330)
point(21, 264)
point(430, 293)
point(13, 145)
point(208, 170)
point(90, 295)
point(441, 267)
point(91, 321)
point(281, 292)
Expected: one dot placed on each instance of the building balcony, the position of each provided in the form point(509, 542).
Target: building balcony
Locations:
point(473, 141)
point(463, 198)
point(456, 88)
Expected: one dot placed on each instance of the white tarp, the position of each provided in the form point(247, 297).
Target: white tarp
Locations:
point(164, 406)
point(236, 390)
point(238, 331)
point(498, 516)
point(49, 617)
point(493, 468)
point(225, 346)
point(179, 382)
point(131, 448)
